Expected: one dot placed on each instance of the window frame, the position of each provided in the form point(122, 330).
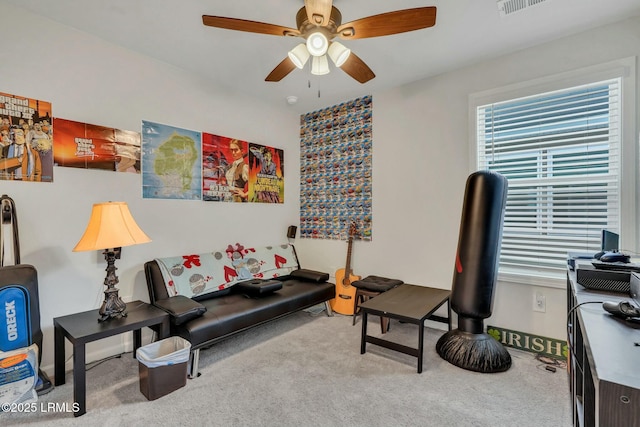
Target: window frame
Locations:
point(625, 69)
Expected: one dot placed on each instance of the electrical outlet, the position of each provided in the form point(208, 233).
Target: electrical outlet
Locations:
point(539, 302)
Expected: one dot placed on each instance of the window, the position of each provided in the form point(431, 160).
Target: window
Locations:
point(561, 153)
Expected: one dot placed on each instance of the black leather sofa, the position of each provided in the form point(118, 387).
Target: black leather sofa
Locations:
point(205, 322)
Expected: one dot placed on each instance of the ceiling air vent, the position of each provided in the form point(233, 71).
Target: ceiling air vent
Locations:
point(507, 7)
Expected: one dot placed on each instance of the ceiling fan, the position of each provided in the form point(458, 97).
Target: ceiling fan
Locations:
point(319, 23)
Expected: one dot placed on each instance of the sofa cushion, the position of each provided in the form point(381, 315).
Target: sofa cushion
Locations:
point(202, 275)
point(255, 288)
point(235, 312)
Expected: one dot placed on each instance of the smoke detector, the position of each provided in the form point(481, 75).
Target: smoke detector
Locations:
point(507, 7)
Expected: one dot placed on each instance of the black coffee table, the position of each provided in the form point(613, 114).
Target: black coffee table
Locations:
point(409, 304)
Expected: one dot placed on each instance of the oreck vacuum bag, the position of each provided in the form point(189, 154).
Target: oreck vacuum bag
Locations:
point(18, 375)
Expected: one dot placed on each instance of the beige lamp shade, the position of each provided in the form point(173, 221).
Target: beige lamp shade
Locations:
point(110, 226)
point(299, 55)
point(319, 65)
point(339, 53)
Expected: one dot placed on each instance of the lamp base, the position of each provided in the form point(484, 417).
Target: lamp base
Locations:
point(112, 306)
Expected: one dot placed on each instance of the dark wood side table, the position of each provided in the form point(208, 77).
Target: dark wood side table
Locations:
point(410, 304)
point(603, 357)
point(82, 328)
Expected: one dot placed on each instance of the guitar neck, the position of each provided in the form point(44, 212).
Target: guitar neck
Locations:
point(347, 268)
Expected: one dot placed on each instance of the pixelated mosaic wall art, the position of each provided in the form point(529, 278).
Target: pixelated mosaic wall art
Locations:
point(335, 171)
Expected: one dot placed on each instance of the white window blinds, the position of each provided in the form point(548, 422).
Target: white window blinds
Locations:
point(560, 152)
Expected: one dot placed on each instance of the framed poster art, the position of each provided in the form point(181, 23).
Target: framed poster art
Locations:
point(26, 139)
point(237, 171)
point(88, 146)
point(171, 162)
point(266, 174)
point(225, 171)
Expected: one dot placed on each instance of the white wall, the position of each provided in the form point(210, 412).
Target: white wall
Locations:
point(421, 162)
point(90, 81)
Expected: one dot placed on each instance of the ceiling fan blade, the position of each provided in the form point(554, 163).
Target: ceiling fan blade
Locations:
point(318, 11)
point(281, 70)
point(389, 23)
point(357, 69)
point(248, 26)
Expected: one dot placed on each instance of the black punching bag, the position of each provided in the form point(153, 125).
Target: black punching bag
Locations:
point(474, 277)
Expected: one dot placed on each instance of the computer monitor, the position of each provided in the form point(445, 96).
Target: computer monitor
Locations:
point(610, 241)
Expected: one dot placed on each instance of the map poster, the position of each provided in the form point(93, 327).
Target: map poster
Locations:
point(266, 174)
point(225, 171)
point(26, 144)
point(87, 146)
point(171, 162)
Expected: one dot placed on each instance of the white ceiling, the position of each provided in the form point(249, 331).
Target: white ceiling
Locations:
point(466, 32)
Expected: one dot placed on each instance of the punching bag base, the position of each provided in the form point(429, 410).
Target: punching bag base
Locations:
point(473, 352)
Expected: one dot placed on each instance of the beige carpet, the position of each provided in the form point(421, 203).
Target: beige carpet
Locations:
point(307, 370)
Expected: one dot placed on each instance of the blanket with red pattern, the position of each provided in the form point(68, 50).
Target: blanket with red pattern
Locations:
point(201, 274)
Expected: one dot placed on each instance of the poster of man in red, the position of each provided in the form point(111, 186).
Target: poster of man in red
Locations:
point(26, 145)
point(87, 146)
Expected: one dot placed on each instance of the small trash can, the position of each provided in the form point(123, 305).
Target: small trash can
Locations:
point(163, 366)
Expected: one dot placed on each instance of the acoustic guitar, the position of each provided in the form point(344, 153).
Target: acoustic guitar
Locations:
point(344, 301)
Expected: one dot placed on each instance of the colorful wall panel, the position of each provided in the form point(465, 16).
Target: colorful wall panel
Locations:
point(335, 171)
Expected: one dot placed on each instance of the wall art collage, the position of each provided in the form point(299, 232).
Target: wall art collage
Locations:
point(184, 164)
point(175, 163)
point(335, 171)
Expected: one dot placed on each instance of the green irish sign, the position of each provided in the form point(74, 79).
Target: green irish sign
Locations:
point(534, 343)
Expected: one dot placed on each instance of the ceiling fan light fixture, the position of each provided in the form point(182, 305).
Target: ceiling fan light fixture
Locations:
point(319, 22)
point(320, 65)
point(299, 55)
point(338, 53)
point(317, 43)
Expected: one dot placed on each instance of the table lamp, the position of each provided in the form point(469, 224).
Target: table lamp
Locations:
point(110, 227)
